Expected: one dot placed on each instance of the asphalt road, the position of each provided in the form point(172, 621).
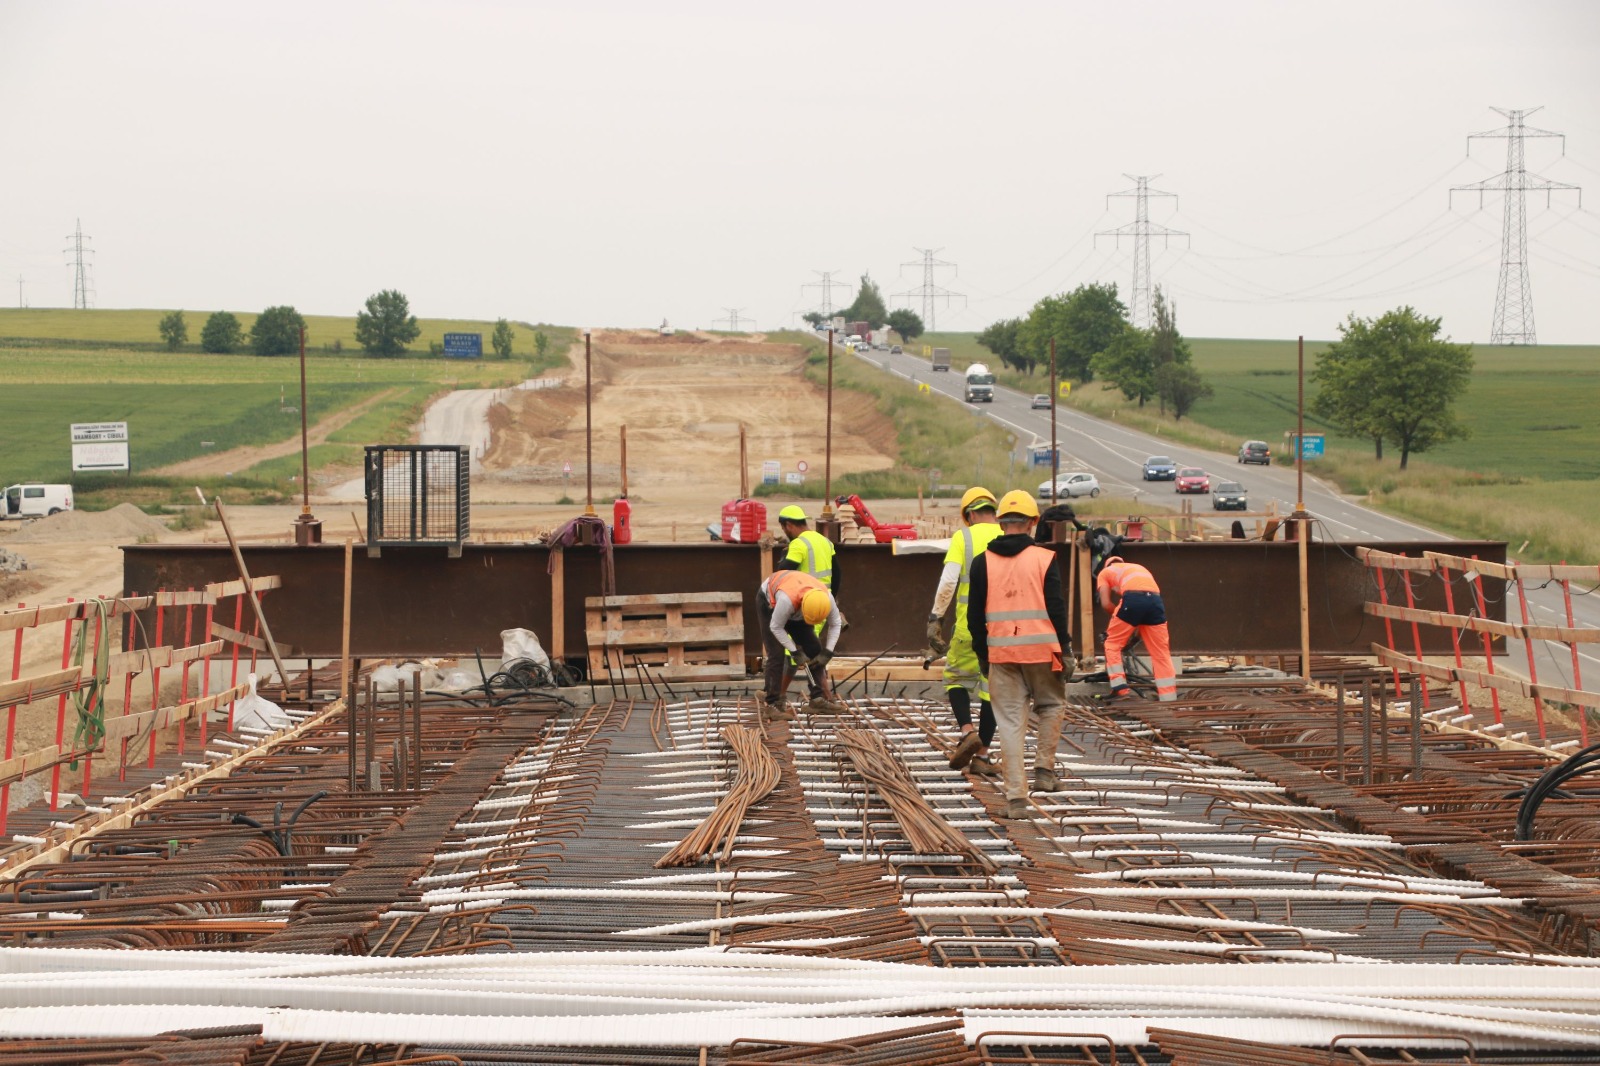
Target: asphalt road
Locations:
point(1116, 455)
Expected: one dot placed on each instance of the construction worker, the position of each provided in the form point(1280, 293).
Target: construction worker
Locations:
point(1140, 611)
point(810, 553)
point(790, 605)
point(963, 679)
point(1018, 618)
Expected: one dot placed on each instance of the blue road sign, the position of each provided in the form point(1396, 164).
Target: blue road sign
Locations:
point(1312, 445)
point(463, 346)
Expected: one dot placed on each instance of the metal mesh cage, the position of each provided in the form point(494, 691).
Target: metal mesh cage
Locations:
point(417, 494)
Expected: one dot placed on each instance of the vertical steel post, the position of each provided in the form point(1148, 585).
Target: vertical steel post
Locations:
point(827, 441)
point(588, 425)
point(11, 723)
point(1055, 453)
point(1577, 672)
point(1416, 729)
point(61, 714)
point(1366, 732)
point(1338, 725)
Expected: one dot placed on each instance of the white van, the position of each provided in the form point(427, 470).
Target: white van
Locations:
point(35, 501)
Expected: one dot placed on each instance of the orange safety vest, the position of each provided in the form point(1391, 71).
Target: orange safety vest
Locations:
point(793, 584)
point(1127, 577)
point(1019, 627)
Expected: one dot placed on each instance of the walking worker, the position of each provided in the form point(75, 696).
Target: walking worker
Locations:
point(1140, 611)
point(809, 551)
point(1018, 618)
point(963, 678)
point(790, 605)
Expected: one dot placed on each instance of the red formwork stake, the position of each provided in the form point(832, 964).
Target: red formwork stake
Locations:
point(1416, 632)
point(238, 627)
point(1388, 623)
point(1455, 634)
point(183, 685)
point(1577, 671)
point(155, 681)
point(255, 631)
point(1533, 669)
point(61, 712)
point(205, 671)
point(96, 697)
point(1488, 642)
point(128, 627)
point(11, 723)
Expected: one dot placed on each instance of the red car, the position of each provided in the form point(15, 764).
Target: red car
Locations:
point(1193, 479)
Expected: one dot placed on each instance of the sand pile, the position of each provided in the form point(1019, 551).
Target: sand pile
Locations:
point(123, 523)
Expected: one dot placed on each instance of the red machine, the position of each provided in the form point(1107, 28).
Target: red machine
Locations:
point(882, 532)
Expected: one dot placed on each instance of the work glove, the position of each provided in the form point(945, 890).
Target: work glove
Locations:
point(936, 640)
point(822, 658)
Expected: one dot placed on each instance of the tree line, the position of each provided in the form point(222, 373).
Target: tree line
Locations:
point(868, 307)
point(1093, 336)
point(384, 329)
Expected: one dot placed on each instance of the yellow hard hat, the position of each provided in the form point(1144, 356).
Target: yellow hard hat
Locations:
point(815, 606)
point(1018, 502)
point(792, 513)
point(978, 496)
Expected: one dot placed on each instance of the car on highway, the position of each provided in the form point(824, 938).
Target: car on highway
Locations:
point(1255, 451)
point(1160, 468)
point(1192, 479)
point(1041, 401)
point(1071, 485)
point(894, 349)
point(1229, 496)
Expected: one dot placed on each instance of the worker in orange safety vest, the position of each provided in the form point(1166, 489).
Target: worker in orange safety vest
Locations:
point(1140, 611)
point(1018, 619)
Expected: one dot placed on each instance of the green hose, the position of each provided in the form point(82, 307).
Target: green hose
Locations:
point(90, 698)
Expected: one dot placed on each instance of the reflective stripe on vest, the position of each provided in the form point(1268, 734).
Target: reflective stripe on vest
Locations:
point(1020, 631)
point(793, 584)
point(807, 541)
point(969, 551)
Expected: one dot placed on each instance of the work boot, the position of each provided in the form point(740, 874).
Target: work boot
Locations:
point(1017, 809)
point(965, 750)
point(1119, 695)
point(983, 766)
point(776, 710)
point(1045, 780)
point(823, 705)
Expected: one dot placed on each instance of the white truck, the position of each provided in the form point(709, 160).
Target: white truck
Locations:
point(980, 384)
point(941, 359)
point(35, 501)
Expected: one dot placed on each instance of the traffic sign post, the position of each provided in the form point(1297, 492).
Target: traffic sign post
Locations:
point(463, 346)
point(802, 466)
point(99, 446)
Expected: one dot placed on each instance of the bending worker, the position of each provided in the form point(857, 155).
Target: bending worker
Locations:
point(790, 605)
point(963, 678)
point(810, 553)
point(1019, 632)
point(1141, 611)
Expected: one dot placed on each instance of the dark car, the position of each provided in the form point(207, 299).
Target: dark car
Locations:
point(1255, 451)
point(1160, 468)
point(1229, 496)
point(1193, 479)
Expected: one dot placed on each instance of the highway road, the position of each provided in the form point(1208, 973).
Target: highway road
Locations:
point(1116, 454)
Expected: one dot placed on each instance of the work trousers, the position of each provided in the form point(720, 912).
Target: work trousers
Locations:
point(1142, 613)
point(775, 657)
point(1011, 685)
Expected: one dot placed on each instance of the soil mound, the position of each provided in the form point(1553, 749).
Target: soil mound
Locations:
point(124, 522)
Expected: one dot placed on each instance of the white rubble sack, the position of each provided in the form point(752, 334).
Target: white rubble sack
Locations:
point(522, 644)
point(256, 713)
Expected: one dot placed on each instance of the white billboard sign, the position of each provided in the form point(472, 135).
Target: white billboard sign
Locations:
point(99, 446)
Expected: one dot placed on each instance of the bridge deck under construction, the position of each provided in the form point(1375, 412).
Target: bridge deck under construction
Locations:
point(1248, 875)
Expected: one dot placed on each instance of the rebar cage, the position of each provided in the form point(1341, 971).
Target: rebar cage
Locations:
point(417, 494)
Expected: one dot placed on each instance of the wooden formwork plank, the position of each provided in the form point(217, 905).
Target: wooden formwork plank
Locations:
point(40, 686)
point(679, 635)
point(29, 617)
point(142, 659)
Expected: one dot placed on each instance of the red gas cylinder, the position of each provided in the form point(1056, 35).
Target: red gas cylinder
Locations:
point(621, 521)
point(743, 521)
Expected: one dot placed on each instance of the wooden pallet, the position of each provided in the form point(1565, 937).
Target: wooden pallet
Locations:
point(678, 636)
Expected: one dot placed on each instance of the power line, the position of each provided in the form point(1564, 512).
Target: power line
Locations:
point(929, 292)
point(1141, 229)
point(827, 285)
point(82, 291)
point(21, 300)
point(735, 320)
point(1513, 298)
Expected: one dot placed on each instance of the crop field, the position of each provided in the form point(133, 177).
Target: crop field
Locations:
point(183, 405)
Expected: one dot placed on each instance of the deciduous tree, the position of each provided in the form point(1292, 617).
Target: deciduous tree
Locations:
point(541, 343)
point(1083, 322)
point(174, 330)
point(1001, 339)
point(387, 325)
point(868, 305)
point(1393, 378)
point(1180, 387)
point(277, 331)
point(501, 340)
point(905, 322)
point(1128, 362)
point(222, 334)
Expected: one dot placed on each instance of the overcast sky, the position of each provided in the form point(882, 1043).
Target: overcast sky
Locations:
point(617, 163)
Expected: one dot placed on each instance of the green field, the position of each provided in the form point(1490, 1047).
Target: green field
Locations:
point(180, 405)
point(138, 328)
point(1526, 473)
